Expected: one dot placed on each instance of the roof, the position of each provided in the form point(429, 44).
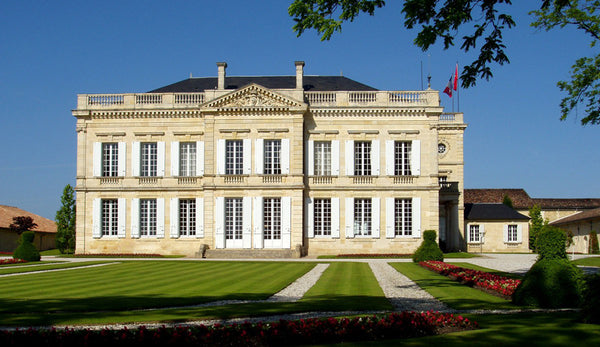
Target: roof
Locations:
point(492, 212)
point(571, 204)
point(521, 200)
point(311, 83)
point(7, 213)
point(579, 217)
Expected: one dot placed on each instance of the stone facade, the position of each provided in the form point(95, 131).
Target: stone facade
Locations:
point(259, 168)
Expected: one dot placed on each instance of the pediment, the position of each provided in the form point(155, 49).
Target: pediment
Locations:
point(254, 96)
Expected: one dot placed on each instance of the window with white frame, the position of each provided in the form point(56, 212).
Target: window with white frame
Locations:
point(149, 159)
point(110, 217)
point(187, 217)
point(110, 159)
point(402, 157)
point(233, 218)
point(322, 217)
point(513, 231)
point(403, 217)
point(234, 157)
point(362, 217)
point(474, 233)
point(187, 158)
point(322, 154)
point(362, 158)
point(272, 157)
point(148, 217)
point(272, 218)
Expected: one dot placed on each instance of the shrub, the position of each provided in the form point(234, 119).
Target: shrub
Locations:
point(551, 243)
point(429, 249)
point(26, 249)
point(591, 300)
point(593, 245)
point(551, 283)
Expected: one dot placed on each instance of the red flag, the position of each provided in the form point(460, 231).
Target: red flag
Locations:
point(448, 89)
point(456, 78)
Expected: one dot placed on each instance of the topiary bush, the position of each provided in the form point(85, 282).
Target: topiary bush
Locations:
point(551, 243)
point(590, 310)
point(26, 249)
point(429, 249)
point(593, 244)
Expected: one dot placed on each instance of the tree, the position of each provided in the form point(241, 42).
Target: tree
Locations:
point(506, 200)
point(535, 225)
point(443, 19)
point(22, 223)
point(65, 222)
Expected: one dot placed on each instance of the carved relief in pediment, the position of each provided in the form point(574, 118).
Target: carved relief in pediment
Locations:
point(254, 96)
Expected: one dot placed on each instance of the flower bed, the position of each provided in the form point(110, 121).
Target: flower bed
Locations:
point(304, 331)
point(118, 255)
point(375, 255)
point(11, 261)
point(495, 284)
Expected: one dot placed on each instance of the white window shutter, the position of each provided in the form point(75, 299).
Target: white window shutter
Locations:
point(335, 218)
point(310, 158)
point(349, 218)
point(246, 222)
point(160, 158)
point(160, 218)
point(258, 222)
point(375, 157)
point(390, 214)
point(349, 159)
point(122, 212)
point(122, 159)
point(505, 232)
point(259, 156)
point(175, 158)
point(135, 159)
point(174, 218)
point(415, 157)
point(285, 156)
point(335, 158)
point(310, 217)
point(97, 218)
point(286, 222)
point(481, 233)
point(375, 217)
point(248, 156)
point(199, 158)
point(199, 217)
point(97, 160)
point(520, 233)
point(219, 222)
point(135, 218)
point(390, 158)
point(416, 217)
point(220, 156)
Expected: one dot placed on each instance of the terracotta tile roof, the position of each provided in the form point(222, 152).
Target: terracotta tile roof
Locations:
point(519, 197)
point(7, 213)
point(579, 217)
point(569, 204)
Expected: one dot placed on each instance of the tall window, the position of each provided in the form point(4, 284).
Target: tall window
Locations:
point(512, 233)
point(403, 217)
point(234, 157)
point(110, 217)
point(187, 217)
point(187, 159)
point(362, 217)
point(402, 158)
point(272, 218)
point(233, 218)
point(148, 217)
point(322, 155)
point(474, 234)
point(149, 159)
point(272, 152)
point(362, 158)
point(322, 217)
point(110, 159)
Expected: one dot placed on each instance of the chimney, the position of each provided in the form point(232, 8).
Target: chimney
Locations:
point(299, 74)
point(221, 75)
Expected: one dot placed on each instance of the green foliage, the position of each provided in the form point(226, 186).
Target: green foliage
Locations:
point(429, 249)
point(535, 225)
point(65, 221)
point(551, 283)
point(22, 223)
point(507, 201)
point(593, 244)
point(590, 309)
point(26, 249)
point(551, 243)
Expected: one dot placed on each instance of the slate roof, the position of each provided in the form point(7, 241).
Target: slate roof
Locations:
point(521, 200)
point(492, 212)
point(7, 213)
point(579, 217)
point(311, 83)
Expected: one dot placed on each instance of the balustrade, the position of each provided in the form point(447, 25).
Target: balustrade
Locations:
point(403, 179)
point(234, 179)
point(186, 180)
point(322, 179)
point(362, 179)
point(148, 180)
point(272, 179)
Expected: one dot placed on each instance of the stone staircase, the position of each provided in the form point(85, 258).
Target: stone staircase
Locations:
point(251, 253)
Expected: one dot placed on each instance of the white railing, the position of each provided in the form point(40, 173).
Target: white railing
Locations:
point(272, 179)
point(322, 179)
point(105, 100)
point(186, 180)
point(234, 178)
point(362, 97)
point(403, 179)
point(148, 99)
point(321, 98)
point(189, 98)
point(362, 179)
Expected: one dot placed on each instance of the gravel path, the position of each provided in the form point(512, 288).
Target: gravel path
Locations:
point(296, 290)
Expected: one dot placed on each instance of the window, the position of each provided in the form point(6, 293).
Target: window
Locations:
point(148, 217)
point(233, 218)
point(322, 163)
point(272, 218)
point(234, 157)
point(402, 155)
point(513, 231)
point(149, 159)
point(362, 158)
point(110, 217)
point(272, 159)
point(403, 217)
point(187, 217)
point(110, 159)
point(187, 159)
point(322, 217)
point(474, 234)
point(362, 217)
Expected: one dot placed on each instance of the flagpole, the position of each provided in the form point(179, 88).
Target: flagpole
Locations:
point(457, 92)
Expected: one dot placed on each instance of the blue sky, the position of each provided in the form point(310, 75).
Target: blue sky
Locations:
point(52, 50)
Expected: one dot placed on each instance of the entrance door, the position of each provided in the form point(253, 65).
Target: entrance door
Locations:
point(234, 216)
point(272, 222)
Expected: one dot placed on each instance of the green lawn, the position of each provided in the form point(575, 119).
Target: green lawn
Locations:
point(591, 261)
point(42, 266)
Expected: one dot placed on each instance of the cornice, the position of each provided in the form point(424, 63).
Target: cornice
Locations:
point(140, 114)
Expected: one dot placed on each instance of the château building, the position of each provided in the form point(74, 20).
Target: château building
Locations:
point(267, 166)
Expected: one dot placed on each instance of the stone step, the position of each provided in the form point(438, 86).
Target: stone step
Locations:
point(250, 253)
